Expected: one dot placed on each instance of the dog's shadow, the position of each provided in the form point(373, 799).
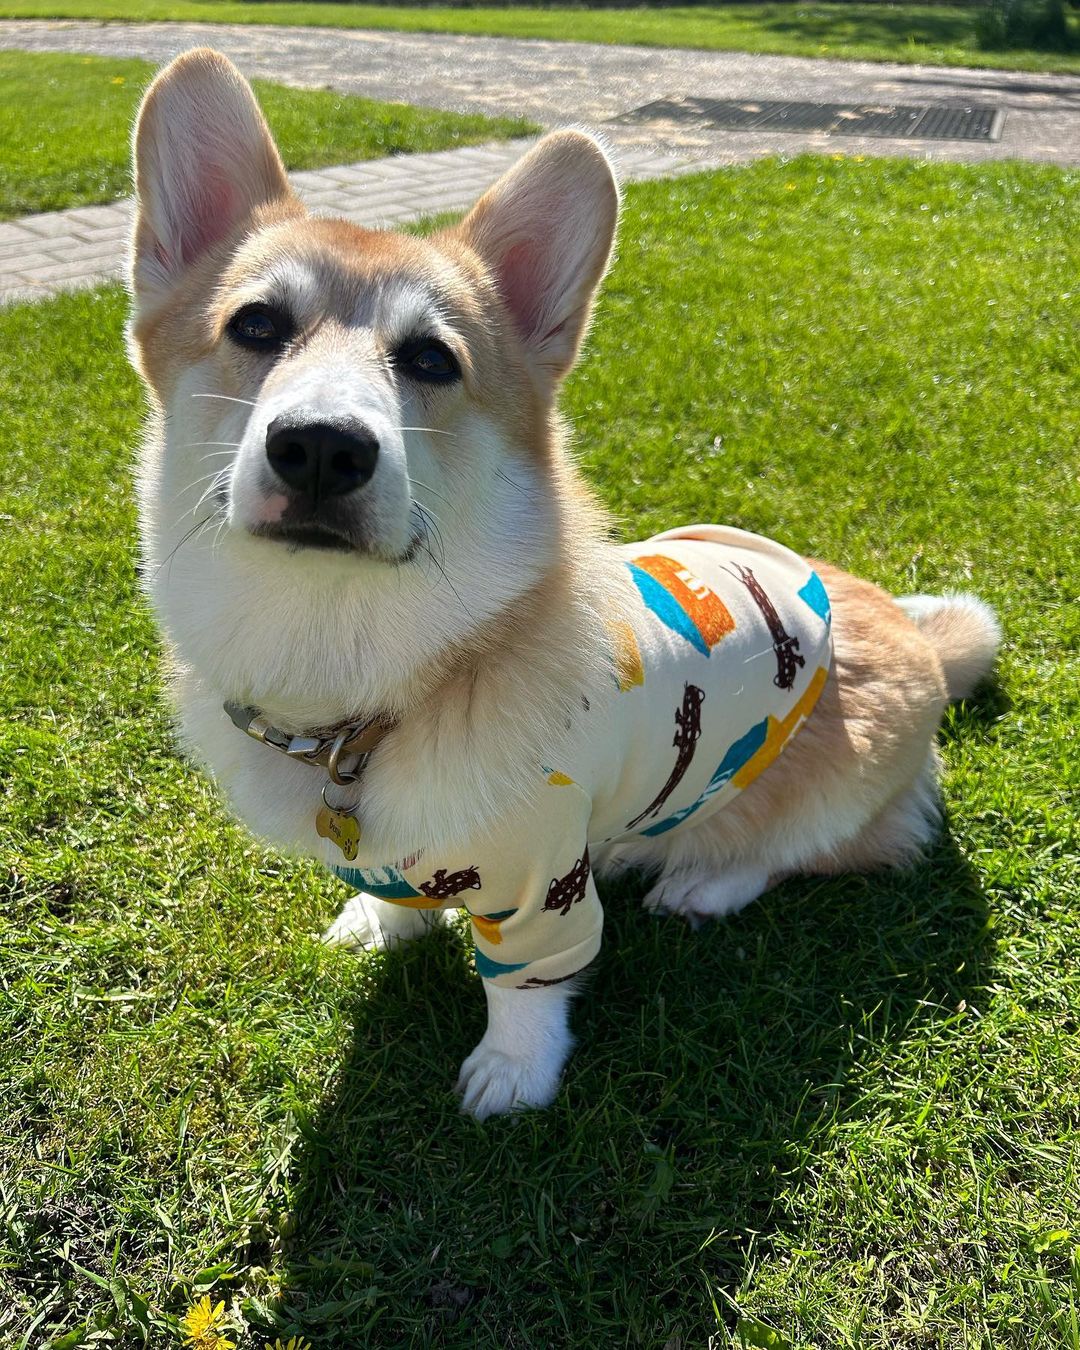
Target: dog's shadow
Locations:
point(710, 1065)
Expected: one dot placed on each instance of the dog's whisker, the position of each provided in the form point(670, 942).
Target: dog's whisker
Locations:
point(430, 523)
point(217, 482)
point(439, 540)
point(435, 431)
point(446, 578)
point(506, 478)
point(428, 488)
point(199, 525)
point(216, 477)
point(215, 542)
point(425, 526)
point(227, 398)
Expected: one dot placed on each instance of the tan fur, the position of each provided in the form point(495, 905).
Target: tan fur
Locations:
point(963, 630)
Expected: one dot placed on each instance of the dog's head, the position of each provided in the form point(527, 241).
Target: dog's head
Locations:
point(355, 429)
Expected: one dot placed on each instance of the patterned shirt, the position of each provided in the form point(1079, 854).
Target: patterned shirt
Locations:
point(721, 657)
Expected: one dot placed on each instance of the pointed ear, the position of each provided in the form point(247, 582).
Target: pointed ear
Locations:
point(545, 231)
point(204, 161)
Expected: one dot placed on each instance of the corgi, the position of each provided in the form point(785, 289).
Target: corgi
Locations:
point(401, 638)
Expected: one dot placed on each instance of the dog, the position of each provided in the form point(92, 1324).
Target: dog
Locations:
point(369, 549)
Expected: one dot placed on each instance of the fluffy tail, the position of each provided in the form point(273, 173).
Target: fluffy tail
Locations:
point(963, 630)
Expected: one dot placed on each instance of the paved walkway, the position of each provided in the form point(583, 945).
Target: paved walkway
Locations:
point(61, 250)
point(553, 83)
point(559, 82)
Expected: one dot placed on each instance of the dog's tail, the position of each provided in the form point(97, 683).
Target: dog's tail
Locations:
point(963, 630)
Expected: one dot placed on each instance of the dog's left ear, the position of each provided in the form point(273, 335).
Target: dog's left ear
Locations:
point(545, 231)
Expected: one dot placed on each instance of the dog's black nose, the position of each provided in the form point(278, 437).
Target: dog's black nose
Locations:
point(322, 459)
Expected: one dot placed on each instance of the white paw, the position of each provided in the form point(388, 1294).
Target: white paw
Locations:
point(699, 896)
point(493, 1082)
point(370, 924)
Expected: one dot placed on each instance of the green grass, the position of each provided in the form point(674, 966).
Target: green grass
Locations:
point(65, 127)
point(848, 1117)
point(938, 35)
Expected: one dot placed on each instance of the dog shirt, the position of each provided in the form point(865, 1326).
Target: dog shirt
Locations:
point(721, 657)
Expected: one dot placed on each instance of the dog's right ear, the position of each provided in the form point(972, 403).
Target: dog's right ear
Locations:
point(204, 161)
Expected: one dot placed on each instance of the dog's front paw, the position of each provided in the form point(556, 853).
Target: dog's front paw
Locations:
point(367, 923)
point(492, 1082)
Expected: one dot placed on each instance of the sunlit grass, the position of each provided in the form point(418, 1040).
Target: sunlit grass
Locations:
point(932, 34)
point(848, 1117)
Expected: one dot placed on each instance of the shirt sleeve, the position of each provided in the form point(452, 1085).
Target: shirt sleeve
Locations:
point(536, 918)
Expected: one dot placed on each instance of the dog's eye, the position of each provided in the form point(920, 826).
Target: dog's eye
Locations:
point(427, 359)
point(260, 327)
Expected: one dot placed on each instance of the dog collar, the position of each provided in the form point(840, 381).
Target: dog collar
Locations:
point(325, 748)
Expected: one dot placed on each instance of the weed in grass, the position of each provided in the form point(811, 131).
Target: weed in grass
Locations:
point(847, 1117)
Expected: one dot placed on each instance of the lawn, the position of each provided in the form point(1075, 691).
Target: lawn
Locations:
point(848, 1117)
point(65, 128)
point(937, 35)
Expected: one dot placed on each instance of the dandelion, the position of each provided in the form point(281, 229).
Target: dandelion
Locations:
point(790, 187)
point(293, 1343)
point(204, 1326)
point(117, 79)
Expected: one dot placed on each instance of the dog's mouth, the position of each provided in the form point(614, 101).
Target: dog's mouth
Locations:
point(297, 536)
point(308, 536)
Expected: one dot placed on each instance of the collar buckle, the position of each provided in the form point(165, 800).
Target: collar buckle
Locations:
point(354, 741)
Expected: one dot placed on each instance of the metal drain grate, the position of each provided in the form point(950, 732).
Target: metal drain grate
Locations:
point(909, 121)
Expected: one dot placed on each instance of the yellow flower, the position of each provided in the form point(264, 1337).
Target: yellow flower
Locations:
point(790, 187)
point(203, 1326)
point(293, 1343)
point(118, 79)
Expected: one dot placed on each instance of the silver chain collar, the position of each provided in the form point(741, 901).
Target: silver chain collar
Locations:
point(352, 742)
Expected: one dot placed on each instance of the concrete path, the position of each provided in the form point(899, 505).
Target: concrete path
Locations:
point(61, 250)
point(559, 82)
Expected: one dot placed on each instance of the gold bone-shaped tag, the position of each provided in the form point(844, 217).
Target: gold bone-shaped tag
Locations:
point(340, 828)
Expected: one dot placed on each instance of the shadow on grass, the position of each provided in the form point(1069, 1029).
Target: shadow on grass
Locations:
point(897, 27)
point(881, 26)
point(988, 706)
point(711, 1066)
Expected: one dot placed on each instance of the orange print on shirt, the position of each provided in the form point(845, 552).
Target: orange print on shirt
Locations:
point(707, 611)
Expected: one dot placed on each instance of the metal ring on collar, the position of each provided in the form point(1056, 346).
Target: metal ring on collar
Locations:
point(336, 774)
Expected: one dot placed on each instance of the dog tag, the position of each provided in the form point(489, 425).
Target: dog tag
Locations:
point(340, 828)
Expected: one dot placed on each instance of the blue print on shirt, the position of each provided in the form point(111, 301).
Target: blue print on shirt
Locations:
point(490, 969)
point(385, 882)
point(816, 596)
point(667, 609)
point(737, 754)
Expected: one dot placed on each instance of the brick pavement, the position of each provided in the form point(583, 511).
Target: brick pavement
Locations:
point(61, 250)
